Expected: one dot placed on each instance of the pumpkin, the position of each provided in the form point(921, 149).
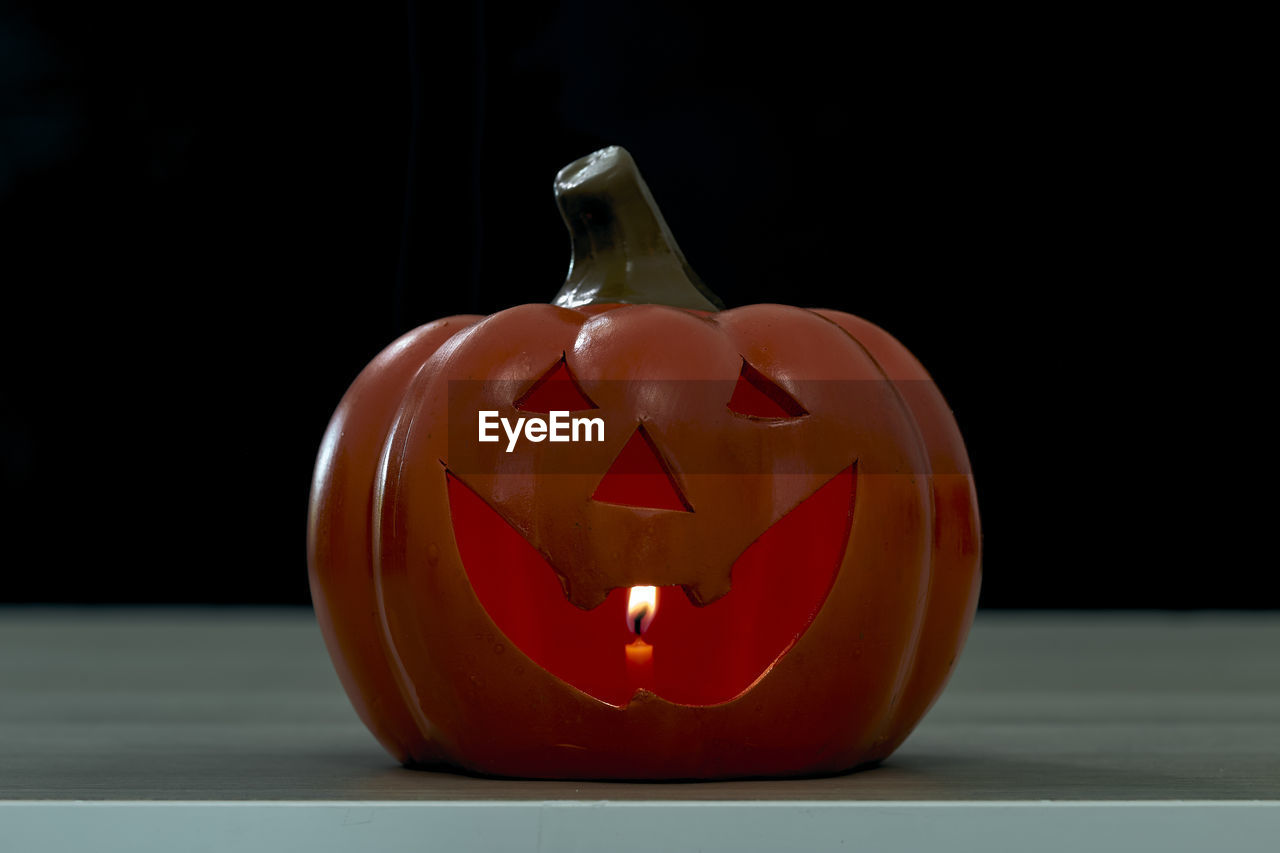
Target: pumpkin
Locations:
point(786, 485)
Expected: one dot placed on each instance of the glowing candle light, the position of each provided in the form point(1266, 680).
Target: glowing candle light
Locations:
point(642, 604)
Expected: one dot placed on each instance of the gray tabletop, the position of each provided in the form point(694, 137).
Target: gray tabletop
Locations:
point(203, 705)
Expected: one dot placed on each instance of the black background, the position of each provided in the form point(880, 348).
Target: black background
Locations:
point(213, 218)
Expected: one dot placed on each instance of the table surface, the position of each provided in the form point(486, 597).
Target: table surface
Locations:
point(243, 704)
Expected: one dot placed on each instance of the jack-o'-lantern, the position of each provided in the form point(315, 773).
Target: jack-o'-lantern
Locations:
point(630, 535)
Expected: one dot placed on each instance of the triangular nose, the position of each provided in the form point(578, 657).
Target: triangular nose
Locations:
point(639, 477)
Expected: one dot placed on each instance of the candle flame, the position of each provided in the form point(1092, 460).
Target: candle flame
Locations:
point(642, 603)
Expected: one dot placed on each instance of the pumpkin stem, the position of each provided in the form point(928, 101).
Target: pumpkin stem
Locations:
point(623, 250)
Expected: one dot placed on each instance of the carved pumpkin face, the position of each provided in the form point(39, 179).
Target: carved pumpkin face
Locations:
point(788, 480)
point(687, 492)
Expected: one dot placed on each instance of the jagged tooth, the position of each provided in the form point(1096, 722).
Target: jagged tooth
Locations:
point(585, 596)
point(704, 592)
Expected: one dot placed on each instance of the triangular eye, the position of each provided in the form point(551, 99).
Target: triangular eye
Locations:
point(556, 391)
point(757, 396)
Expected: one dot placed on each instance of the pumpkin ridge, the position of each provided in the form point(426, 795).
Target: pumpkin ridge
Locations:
point(921, 684)
point(395, 437)
point(339, 536)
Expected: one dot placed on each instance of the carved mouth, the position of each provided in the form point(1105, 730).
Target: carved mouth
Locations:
point(702, 655)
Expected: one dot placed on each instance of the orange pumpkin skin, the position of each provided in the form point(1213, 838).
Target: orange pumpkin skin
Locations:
point(437, 682)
